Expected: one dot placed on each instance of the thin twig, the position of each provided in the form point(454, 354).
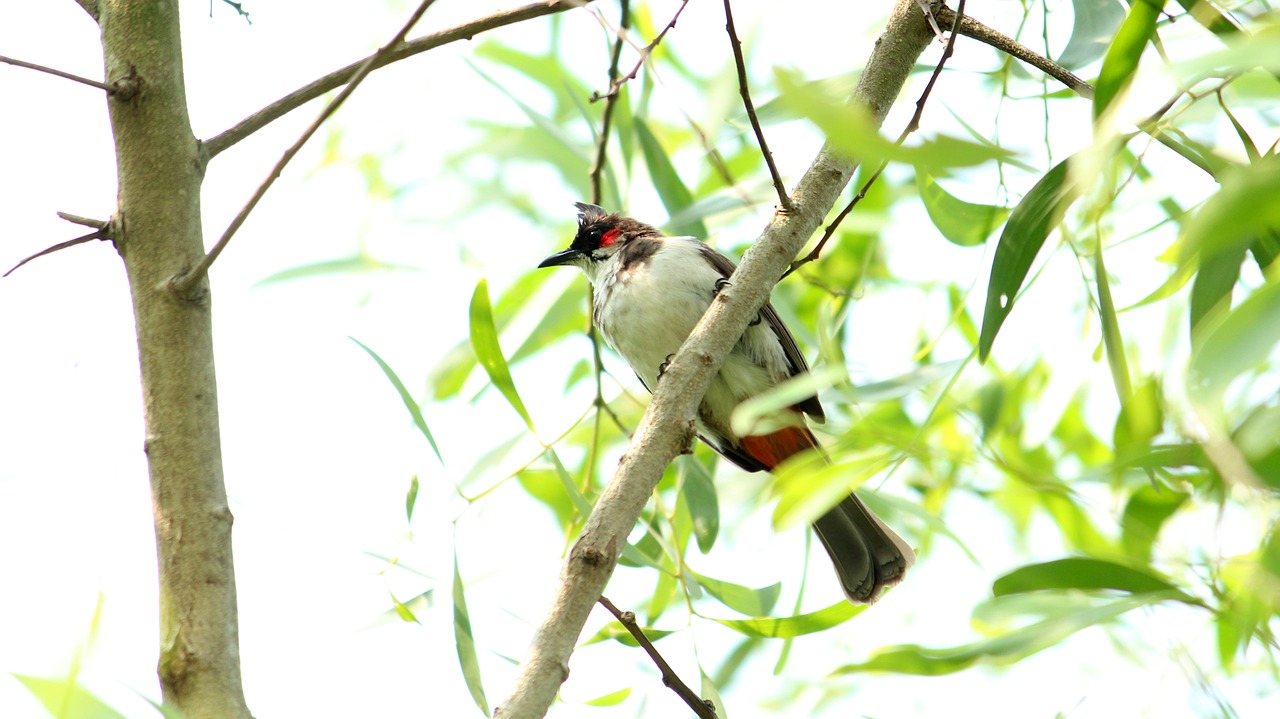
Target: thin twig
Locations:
point(976, 30)
point(783, 200)
point(645, 52)
point(99, 234)
point(86, 221)
point(911, 127)
point(182, 284)
point(66, 75)
point(251, 124)
point(701, 707)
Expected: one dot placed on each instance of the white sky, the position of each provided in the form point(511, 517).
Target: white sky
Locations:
point(317, 448)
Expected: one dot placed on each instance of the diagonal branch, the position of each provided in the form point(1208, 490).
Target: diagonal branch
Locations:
point(667, 427)
point(783, 201)
point(700, 706)
point(645, 52)
point(338, 78)
point(184, 283)
point(58, 73)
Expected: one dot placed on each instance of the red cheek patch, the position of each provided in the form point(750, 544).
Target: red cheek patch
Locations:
point(610, 237)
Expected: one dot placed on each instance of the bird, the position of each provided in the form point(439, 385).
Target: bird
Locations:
point(649, 291)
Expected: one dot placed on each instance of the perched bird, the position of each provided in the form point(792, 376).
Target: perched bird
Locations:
point(650, 292)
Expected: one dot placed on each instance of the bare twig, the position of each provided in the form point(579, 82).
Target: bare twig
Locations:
point(59, 73)
point(182, 284)
point(645, 52)
point(976, 30)
point(338, 78)
point(704, 709)
point(783, 200)
point(100, 234)
point(911, 127)
point(86, 221)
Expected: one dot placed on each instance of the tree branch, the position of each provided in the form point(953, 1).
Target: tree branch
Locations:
point(183, 284)
point(645, 52)
point(338, 78)
point(58, 73)
point(783, 201)
point(666, 429)
point(976, 30)
point(670, 679)
point(89, 6)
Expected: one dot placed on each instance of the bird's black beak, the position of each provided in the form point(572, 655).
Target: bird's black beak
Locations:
point(564, 257)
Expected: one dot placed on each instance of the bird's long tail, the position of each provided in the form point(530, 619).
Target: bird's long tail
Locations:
point(868, 556)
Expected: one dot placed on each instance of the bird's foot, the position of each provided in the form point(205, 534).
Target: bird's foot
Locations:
point(662, 368)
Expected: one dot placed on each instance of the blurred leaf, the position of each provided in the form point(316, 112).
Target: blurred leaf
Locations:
point(614, 631)
point(699, 492)
point(580, 501)
point(1258, 438)
point(1029, 226)
point(403, 610)
point(850, 130)
point(1228, 347)
point(1243, 52)
point(1003, 649)
point(808, 485)
point(787, 627)
point(1145, 512)
point(466, 642)
point(1095, 23)
point(901, 386)
point(67, 700)
point(1140, 419)
point(411, 499)
point(753, 415)
point(1125, 51)
point(610, 699)
point(711, 693)
point(962, 223)
point(1112, 340)
point(675, 196)
point(1085, 573)
point(1207, 15)
point(484, 340)
point(355, 264)
point(547, 70)
point(1214, 281)
point(1239, 213)
point(415, 410)
point(751, 602)
point(565, 316)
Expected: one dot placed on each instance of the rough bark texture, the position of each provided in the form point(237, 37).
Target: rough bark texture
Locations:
point(158, 235)
point(666, 428)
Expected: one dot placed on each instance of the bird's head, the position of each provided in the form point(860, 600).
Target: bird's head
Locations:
point(601, 235)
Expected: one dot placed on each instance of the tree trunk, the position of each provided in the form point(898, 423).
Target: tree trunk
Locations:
point(158, 235)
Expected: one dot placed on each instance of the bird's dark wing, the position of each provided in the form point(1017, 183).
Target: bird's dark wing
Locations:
point(795, 358)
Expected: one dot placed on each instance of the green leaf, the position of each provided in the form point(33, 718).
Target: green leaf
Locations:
point(466, 642)
point(1003, 649)
point(1095, 23)
point(614, 631)
point(1228, 347)
point(1141, 418)
point(787, 627)
point(1239, 213)
point(355, 264)
point(67, 700)
point(808, 486)
point(610, 699)
point(754, 414)
point(1147, 509)
point(410, 403)
point(1112, 340)
point(1084, 573)
point(484, 341)
point(1214, 282)
point(411, 498)
point(671, 189)
point(962, 223)
point(1029, 226)
point(1125, 51)
point(711, 693)
point(751, 602)
point(699, 492)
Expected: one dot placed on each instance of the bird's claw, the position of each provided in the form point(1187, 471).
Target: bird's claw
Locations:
point(662, 368)
point(720, 285)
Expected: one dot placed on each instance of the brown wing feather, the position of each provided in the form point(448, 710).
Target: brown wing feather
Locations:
point(795, 358)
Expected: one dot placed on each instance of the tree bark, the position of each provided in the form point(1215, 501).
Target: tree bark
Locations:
point(157, 232)
point(667, 426)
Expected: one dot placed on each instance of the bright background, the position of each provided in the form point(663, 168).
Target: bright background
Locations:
point(319, 451)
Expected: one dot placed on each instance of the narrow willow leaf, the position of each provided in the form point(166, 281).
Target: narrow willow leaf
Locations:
point(1085, 573)
point(1237, 215)
point(415, 410)
point(618, 633)
point(484, 341)
point(67, 700)
point(1003, 649)
point(343, 266)
point(1028, 227)
point(466, 642)
point(787, 627)
point(1214, 281)
point(699, 491)
point(1207, 15)
point(1146, 511)
point(411, 498)
point(1112, 340)
point(403, 610)
point(712, 694)
point(1095, 23)
point(671, 189)
point(962, 223)
point(610, 699)
point(1237, 343)
point(749, 416)
point(751, 602)
point(1125, 51)
point(1141, 418)
point(808, 486)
